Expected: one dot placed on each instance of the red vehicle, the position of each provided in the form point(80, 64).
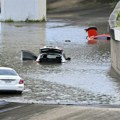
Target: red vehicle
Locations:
point(93, 36)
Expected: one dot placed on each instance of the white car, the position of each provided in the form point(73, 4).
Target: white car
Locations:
point(10, 80)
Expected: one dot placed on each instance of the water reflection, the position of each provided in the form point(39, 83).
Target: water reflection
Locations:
point(84, 79)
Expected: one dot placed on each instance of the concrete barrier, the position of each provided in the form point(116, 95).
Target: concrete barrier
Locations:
point(115, 41)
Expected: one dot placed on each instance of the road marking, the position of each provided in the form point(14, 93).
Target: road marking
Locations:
point(9, 109)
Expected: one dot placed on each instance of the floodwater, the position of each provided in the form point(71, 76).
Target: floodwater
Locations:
point(86, 79)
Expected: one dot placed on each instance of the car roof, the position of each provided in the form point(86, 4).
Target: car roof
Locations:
point(103, 35)
point(6, 68)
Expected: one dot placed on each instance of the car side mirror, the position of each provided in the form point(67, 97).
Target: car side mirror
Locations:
point(68, 58)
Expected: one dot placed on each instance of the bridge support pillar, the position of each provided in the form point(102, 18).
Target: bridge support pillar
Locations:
point(22, 10)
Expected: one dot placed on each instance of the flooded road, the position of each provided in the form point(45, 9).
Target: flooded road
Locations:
point(86, 79)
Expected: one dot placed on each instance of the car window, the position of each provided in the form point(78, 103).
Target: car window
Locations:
point(53, 56)
point(50, 56)
point(8, 72)
point(101, 38)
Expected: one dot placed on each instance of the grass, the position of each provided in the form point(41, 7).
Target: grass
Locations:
point(35, 21)
point(27, 20)
point(118, 23)
point(118, 19)
point(8, 20)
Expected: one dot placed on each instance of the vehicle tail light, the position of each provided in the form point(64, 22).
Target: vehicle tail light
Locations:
point(21, 82)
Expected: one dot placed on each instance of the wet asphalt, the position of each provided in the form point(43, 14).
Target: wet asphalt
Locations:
point(16, 111)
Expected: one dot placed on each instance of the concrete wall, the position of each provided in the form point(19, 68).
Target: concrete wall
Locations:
point(115, 41)
point(20, 10)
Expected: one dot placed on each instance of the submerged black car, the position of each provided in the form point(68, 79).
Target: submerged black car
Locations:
point(48, 54)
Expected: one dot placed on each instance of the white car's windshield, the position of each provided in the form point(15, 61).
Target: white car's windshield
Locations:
point(7, 72)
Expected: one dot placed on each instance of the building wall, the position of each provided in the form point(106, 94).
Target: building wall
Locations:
point(20, 10)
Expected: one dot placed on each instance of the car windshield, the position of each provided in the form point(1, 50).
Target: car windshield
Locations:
point(7, 72)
